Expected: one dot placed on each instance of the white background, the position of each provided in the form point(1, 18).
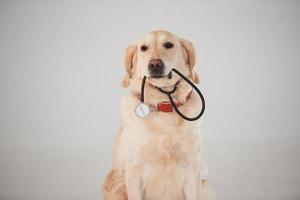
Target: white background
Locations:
point(61, 64)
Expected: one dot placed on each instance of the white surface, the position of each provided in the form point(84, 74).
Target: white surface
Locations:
point(60, 70)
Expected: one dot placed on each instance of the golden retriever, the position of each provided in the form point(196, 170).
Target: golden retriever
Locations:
point(158, 157)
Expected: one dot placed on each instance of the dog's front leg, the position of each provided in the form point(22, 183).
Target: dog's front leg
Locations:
point(191, 188)
point(133, 183)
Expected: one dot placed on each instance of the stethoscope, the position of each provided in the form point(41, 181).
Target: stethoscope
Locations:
point(142, 110)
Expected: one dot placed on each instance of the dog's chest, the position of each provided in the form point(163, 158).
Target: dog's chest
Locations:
point(168, 149)
point(166, 161)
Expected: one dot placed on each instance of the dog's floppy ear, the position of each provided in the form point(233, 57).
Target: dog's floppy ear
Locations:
point(129, 56)
point(190, 56)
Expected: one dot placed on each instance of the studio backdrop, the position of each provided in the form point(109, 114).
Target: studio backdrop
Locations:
point(61, 65)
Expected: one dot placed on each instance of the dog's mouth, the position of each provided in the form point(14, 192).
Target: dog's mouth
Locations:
point(169, 76)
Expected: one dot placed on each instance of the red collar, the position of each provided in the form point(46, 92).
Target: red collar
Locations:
point(166, 106)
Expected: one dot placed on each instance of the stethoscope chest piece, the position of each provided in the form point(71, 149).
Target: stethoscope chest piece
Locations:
point(142, 110)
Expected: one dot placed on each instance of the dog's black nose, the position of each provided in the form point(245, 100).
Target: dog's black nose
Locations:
point(156, 67)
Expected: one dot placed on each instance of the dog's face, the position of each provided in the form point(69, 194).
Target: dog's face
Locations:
point(155, 55)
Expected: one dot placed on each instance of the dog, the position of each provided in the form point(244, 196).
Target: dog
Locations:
point(158, 157)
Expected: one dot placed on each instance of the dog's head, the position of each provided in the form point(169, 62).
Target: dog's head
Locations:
point(155, 55)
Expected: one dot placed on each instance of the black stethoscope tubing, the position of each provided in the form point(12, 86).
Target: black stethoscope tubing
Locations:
point(168, 93)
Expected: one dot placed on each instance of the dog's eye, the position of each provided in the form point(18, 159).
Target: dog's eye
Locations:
point(144, 48)
point(168, 45)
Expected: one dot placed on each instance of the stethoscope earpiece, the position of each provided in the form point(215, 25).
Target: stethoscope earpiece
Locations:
point(142, 110)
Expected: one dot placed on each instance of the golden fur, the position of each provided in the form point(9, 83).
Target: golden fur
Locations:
point(158, 157)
